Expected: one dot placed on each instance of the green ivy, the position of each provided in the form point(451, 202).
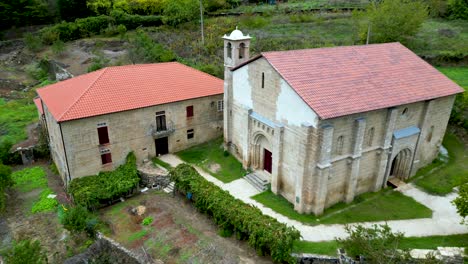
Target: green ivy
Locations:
point(264, 233)
point(93, 191)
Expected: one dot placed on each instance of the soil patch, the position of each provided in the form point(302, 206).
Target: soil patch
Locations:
point(178, 234)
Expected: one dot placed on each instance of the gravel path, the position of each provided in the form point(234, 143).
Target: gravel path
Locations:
point(444, 221)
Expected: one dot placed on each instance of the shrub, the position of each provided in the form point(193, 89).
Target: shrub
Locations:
point(44, 204)
point(33, 42)
point(78, 219)
point(134, 21)
point(147, 221)
point(252, 21)
point(264, 233)
point(93, 191)
point(461, 202)
point(180, 11)
point(26, 251)
point(58, 47)
point(458, 9)
point(144, 49)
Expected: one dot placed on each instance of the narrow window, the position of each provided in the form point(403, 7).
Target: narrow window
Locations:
point(229, 50)
point(339, 145)
point(190, 111)
point(405, 111)
point(370, 137)
point(241, 51)
point(220, 105)
point(263, 80)
point(190, 133)
point(103, 135)
point(161, 121)
point(106, 158)
point(429, 135)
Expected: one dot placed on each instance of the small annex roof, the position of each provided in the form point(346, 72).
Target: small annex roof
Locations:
point(38, 103)
point(341, 81)
point(121, 88)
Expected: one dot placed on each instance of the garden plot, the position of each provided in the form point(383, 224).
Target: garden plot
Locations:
point(170, 229)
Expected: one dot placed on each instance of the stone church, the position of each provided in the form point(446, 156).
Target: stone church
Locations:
point(325, 125)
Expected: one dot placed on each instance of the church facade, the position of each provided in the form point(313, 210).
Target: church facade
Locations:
point(325, 125)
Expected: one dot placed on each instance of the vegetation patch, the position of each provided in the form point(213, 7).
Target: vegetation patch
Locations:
point(264, 233)
point(137, 235)
point(439, 178)
point(94, 191)
point(147, 221)
point(328, 248)
point(380, 206)
point(459, 115)
point(29, 179)
point(44, 204)
point(204, 155)
point(156, 161)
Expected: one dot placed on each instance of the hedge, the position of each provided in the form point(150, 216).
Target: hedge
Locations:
point(86, 27)
point(264, 233)
point(94, 191)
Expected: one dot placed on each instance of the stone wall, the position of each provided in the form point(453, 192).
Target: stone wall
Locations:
point(132, 131)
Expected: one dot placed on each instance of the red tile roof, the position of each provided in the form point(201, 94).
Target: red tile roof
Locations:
point(340, 81)
point(38, 103)
point(122, 88)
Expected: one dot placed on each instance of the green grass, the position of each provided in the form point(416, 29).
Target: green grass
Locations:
point(157, 161)
point(440, 179)
point(431, 242)
point(137, 235)
point(29, 179)
point(15, 115)
point(210, 153)
point(457, 74)
point(369, 207)
point(44, 204)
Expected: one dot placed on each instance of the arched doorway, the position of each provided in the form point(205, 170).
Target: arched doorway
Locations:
point(401, 165)
point(261, 154)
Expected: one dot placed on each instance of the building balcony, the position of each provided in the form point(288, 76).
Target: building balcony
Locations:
point(159, 131)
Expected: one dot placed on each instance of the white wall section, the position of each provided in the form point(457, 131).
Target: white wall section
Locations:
point(292, 108)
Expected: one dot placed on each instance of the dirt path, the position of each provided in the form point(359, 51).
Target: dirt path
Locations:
point(178, 234)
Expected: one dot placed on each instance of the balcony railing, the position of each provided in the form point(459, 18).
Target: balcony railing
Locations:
point(162, 131)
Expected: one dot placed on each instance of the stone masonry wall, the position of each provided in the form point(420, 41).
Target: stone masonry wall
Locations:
point(131, 131)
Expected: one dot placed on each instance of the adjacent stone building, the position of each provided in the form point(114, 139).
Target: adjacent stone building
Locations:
point(324, 125)
point(95, 120)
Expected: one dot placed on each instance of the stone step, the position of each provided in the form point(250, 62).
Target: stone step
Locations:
point(169, 188)
point(257, 181)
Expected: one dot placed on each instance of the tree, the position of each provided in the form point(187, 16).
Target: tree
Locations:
point(378, 244)
point(179, 11)
point(458, 9)
point(393, 20)
point(26, 251)
point(70, 10)
point(23, 13)
point(461, 202)
point(100, 7)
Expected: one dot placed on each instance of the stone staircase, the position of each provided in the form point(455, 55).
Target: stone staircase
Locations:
point(258, 181)
point(169, 188)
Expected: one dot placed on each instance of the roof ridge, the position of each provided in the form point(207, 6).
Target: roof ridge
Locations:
point(86, 91)
point(332, 47)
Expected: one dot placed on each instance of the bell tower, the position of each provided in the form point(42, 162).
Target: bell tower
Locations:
point(236, 51)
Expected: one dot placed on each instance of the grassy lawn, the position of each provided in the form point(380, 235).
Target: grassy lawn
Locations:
point(212, 158)
point(369, 207)
point(157, 161)
point(432, 242)
point(457, 74)
point(15, 115)
point(438, 178)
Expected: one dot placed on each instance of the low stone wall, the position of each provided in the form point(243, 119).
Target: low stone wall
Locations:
point(321, 259)
point(106, 250)
point(153, 177)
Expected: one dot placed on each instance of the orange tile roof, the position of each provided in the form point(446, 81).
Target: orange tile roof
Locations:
point(340, 81)
point(122, 88)
point(38, 103)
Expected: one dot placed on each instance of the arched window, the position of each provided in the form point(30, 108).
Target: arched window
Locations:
point(241, 51)
point(370, 137)
point(339, 145)
point(229, 50)
point(429, 135)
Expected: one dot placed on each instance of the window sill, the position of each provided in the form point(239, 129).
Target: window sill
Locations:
point(104, 145)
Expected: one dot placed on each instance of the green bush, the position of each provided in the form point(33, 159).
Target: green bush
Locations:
point(147, 221)
point(33, 42)
point(264, 233)
point(180, 11)
point(26, 251)
point(134, 21)
point(458, 9)
point(78, 219)
point(58, 47)
point(44, 204)
point(93, 191)
point(144, 49)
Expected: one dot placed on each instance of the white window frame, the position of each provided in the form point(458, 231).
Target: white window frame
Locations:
point(220, 105)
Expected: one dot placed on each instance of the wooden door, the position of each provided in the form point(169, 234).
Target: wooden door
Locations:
point(162, 146)
point(267, 160)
